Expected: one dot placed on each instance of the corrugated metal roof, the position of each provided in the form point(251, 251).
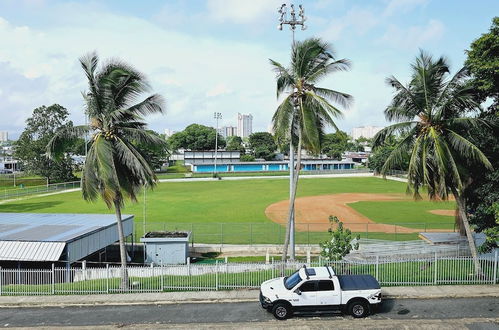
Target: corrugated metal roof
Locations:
point(45, 237)
point(49, 227)
point(31, 251)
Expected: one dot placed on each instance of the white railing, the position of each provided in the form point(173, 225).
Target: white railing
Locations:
point(388, 271)
point(36, 190)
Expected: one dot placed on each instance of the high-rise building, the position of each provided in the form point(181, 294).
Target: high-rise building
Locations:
point(229, 131)
point(4, 136)
point(169, 132)
point(365, 131)
point(244, 125)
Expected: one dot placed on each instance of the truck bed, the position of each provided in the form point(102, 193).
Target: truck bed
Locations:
point(358, 282)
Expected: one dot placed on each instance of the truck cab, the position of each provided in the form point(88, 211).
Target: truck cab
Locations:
point(320, 289)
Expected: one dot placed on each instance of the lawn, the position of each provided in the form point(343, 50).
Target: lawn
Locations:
point(223, 211)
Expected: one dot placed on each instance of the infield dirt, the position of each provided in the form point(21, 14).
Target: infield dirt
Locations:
point(312, 212)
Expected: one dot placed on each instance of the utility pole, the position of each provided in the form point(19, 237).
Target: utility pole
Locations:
point(217, 116)
point(292, 22)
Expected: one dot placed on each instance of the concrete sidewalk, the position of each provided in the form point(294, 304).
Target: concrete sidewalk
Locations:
point(420, 292)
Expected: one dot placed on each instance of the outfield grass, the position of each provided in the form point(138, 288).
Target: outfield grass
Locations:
point(226, 211)
point(412, 214)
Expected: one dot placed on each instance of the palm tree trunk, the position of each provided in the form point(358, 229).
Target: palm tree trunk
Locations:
point(124, 285)
point(461, 205)
point(292, 200)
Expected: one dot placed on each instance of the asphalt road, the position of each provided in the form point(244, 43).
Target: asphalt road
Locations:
point(224, 313)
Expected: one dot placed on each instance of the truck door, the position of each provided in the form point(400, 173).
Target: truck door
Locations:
point(327, 294)
point(308, 296)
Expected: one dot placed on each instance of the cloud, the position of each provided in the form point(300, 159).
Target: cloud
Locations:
point(414, 36)
point(402, 6)
point(359, 20)
point(188, 70)
point(242, 12)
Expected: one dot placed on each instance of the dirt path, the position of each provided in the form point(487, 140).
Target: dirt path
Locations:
point(312, 213)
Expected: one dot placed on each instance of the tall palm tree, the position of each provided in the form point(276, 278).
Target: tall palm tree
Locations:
point(306, 109)
point(429, 113)
point(114, 168)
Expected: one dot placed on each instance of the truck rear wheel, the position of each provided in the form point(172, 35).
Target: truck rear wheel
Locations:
point(281, 311)
point(358, 309)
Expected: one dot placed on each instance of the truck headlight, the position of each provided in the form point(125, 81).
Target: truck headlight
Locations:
point(267, 300)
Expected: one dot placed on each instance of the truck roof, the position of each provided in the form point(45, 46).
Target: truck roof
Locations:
point(316, 272)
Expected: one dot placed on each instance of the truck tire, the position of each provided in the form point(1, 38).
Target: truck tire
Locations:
point(358, 309)
point(281, 311)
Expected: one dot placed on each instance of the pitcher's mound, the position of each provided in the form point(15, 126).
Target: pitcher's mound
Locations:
point(312, 213)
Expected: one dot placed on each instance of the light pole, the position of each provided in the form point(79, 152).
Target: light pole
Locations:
point(292, 22)
point(217, 116)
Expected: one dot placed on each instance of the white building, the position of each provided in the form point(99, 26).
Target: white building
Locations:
point(365, 131)
point(227, 131)
point(4, 136)
point(244, 125)
point(169, 132)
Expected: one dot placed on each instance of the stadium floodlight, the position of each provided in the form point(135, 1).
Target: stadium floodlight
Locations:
point(216, 116)
point(292, 22)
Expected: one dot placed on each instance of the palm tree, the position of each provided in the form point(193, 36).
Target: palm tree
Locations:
point(306, 110)
point(428, 111)
point(114, 168)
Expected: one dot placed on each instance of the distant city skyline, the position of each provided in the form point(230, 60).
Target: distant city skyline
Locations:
point(4, 136)
point(367, 132)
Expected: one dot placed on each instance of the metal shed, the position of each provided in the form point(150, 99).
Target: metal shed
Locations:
point(57, 237)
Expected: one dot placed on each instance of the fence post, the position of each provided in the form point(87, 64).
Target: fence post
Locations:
point(216, 275)
point(107, 278)
point(308, 234)
point(161, 277)
point(221, 234)
point(251, 234)
point(495, 266)
point(436, 270)
point(1, 276)
point(377, 268)
point(189, 266)
point(53, 279)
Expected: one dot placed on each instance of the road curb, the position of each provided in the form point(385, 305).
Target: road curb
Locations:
point(234, 296)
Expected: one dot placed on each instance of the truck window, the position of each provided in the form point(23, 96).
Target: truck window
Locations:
point(308, 286)
point(294, 279)
point(326, 285)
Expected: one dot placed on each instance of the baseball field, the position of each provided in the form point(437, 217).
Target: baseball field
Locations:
point(254, 211)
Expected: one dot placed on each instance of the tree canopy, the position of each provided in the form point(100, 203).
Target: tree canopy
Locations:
point(482, 194)
point(262, 145)
point(196, 137)
point(31, 146)
point(483, 63)
point(335, 144)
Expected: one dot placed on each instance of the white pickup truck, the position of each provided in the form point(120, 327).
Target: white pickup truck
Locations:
point(319, 289)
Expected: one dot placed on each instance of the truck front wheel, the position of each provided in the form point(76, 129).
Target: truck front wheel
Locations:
point(281, 311)
point(358, 309)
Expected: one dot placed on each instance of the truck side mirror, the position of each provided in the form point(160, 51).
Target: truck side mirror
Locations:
point(297, 291)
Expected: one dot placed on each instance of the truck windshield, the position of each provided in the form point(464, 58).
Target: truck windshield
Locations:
point(291, 281)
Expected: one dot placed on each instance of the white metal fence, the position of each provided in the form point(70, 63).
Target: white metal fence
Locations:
point(225, 276)
point(35, 190)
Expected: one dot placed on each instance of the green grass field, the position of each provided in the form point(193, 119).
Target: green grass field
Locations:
point(233, 211)
point(412, 214)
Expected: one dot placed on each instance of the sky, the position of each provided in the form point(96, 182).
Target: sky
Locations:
point(208, 56)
